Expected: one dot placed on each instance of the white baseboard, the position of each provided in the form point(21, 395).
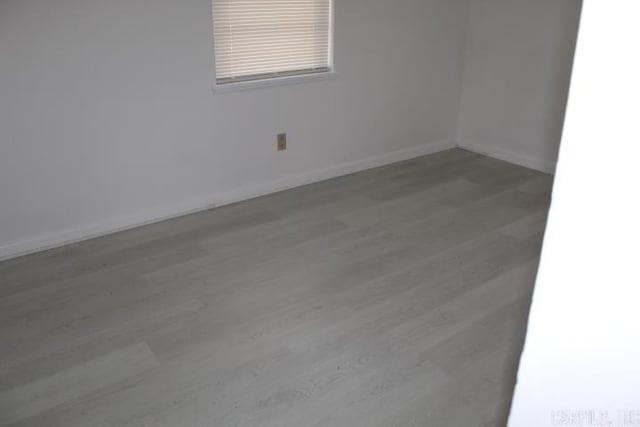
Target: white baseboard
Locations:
point(530, 162)
point(65, 237)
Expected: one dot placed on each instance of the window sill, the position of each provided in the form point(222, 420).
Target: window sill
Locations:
point(273, 82)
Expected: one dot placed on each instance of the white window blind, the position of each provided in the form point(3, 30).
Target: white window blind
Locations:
point(258, 39)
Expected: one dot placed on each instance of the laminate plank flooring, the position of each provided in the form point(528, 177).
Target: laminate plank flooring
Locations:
point(392, 297)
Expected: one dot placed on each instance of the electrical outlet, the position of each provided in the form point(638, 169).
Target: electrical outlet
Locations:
point(282, 141)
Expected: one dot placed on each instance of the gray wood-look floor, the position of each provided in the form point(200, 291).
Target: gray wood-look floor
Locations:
point(393, 297)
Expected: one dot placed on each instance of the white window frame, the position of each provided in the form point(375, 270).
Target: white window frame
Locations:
point(286, 78)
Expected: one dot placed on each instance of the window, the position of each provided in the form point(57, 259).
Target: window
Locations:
point(262, 39)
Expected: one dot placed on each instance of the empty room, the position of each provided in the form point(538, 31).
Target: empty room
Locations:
point(298, 213)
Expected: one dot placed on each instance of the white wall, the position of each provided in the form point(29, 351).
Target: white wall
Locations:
point(581, 362)
point(517, 70)
point(107, 118)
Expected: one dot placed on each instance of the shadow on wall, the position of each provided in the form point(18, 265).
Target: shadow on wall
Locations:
point(518, 61)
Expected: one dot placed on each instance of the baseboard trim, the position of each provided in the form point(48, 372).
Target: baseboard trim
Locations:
point(530, 162)
point(65, 237)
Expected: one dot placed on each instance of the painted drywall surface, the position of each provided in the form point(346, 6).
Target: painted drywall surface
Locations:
point(106, 108)
point(580, 362)
point(517, 70)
